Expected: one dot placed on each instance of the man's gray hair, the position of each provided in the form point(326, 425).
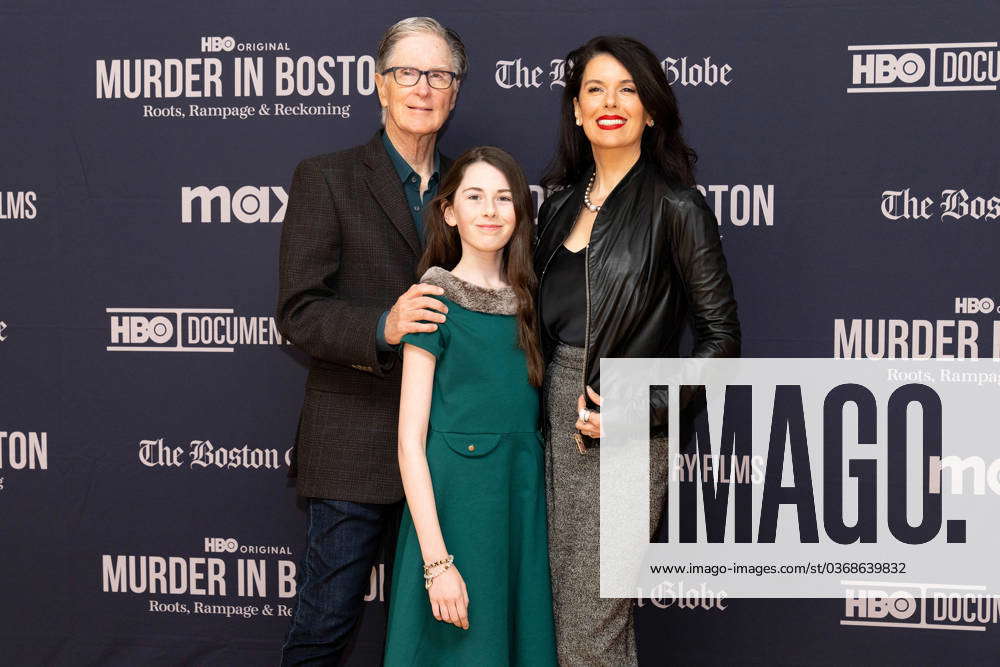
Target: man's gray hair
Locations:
point(427, 25)
point(422, 24)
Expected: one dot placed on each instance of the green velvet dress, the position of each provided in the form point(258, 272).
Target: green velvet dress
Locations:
point(485, 459)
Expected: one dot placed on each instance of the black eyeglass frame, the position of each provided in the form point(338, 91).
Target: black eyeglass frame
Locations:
point(422, 73)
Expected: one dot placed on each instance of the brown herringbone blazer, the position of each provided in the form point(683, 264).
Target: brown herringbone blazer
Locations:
point(348, 250)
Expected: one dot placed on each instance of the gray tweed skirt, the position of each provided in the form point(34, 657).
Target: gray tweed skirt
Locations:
point(590, 630)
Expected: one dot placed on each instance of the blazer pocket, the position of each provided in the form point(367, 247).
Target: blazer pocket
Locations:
point(472, 445)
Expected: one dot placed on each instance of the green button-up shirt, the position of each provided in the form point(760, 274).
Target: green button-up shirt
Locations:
point(411, 183)
point(416, 204)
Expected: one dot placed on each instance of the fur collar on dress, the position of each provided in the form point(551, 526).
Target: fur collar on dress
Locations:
point(501, 301)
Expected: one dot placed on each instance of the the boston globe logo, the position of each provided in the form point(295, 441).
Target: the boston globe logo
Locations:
point(954, 203)
point(683, 71)
point(188, 330)
point(952, 67)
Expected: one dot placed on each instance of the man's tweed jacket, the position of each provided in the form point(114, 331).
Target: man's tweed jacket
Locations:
point(348, 250)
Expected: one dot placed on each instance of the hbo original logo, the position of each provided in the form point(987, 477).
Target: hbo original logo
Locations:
point(971, 305)
point(884, 68)
point(221, 545)
point(216, 44)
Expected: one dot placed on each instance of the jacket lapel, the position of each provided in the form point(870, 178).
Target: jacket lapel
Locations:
point(383, 182)
point(562, 216)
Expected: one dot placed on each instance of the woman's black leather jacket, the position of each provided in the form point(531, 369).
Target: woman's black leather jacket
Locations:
point(654, 259)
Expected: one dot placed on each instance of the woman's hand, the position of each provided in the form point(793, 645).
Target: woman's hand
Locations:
point(450, 599)
point(591, 427)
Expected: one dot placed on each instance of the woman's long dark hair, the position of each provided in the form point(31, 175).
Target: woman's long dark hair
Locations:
point(444, 246)
point(662, 143)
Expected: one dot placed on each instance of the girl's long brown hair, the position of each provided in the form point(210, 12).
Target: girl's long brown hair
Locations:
point(444, 246)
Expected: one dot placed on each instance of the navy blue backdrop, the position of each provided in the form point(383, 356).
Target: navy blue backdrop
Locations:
point(147, 403)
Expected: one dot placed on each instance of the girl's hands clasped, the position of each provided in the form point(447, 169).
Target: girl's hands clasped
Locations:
point(450, 599)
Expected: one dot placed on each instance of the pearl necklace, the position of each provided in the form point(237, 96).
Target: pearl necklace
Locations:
point(594, 208)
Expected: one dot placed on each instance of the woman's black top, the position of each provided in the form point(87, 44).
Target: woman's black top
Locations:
point(563, 297)
point(655, 264)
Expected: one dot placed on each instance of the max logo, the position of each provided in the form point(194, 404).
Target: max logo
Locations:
point(247, 204)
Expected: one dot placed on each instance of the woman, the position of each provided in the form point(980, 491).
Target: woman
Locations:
point(471, 579)
point(628, 252)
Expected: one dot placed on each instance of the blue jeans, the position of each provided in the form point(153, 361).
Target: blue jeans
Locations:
point(342, 544)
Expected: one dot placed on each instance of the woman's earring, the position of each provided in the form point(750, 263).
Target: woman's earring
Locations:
point(578, 121)
point(651, 122)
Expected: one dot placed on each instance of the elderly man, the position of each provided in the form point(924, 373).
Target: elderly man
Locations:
point(351, 240)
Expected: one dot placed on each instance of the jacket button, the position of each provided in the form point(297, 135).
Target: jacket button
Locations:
point(472, 448)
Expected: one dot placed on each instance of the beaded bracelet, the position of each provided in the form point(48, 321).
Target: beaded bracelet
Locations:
point(447, 559)
point(429, 576)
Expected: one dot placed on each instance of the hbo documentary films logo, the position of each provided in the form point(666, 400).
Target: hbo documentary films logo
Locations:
point(918, 605)
point(188, 330)
point(896, 68)
point(18, 205)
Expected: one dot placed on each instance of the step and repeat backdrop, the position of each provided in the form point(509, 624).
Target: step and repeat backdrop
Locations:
point(148, 403)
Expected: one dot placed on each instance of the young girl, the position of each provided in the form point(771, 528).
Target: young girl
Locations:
point(471, 579)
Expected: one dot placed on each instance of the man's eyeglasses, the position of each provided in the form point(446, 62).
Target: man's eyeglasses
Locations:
point(408, 76)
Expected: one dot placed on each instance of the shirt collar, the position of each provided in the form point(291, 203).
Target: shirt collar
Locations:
point(403, 168)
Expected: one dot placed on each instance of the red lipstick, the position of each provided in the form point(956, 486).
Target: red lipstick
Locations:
point(610, 122)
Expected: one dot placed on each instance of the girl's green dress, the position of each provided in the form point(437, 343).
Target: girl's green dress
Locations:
point(485, 459)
